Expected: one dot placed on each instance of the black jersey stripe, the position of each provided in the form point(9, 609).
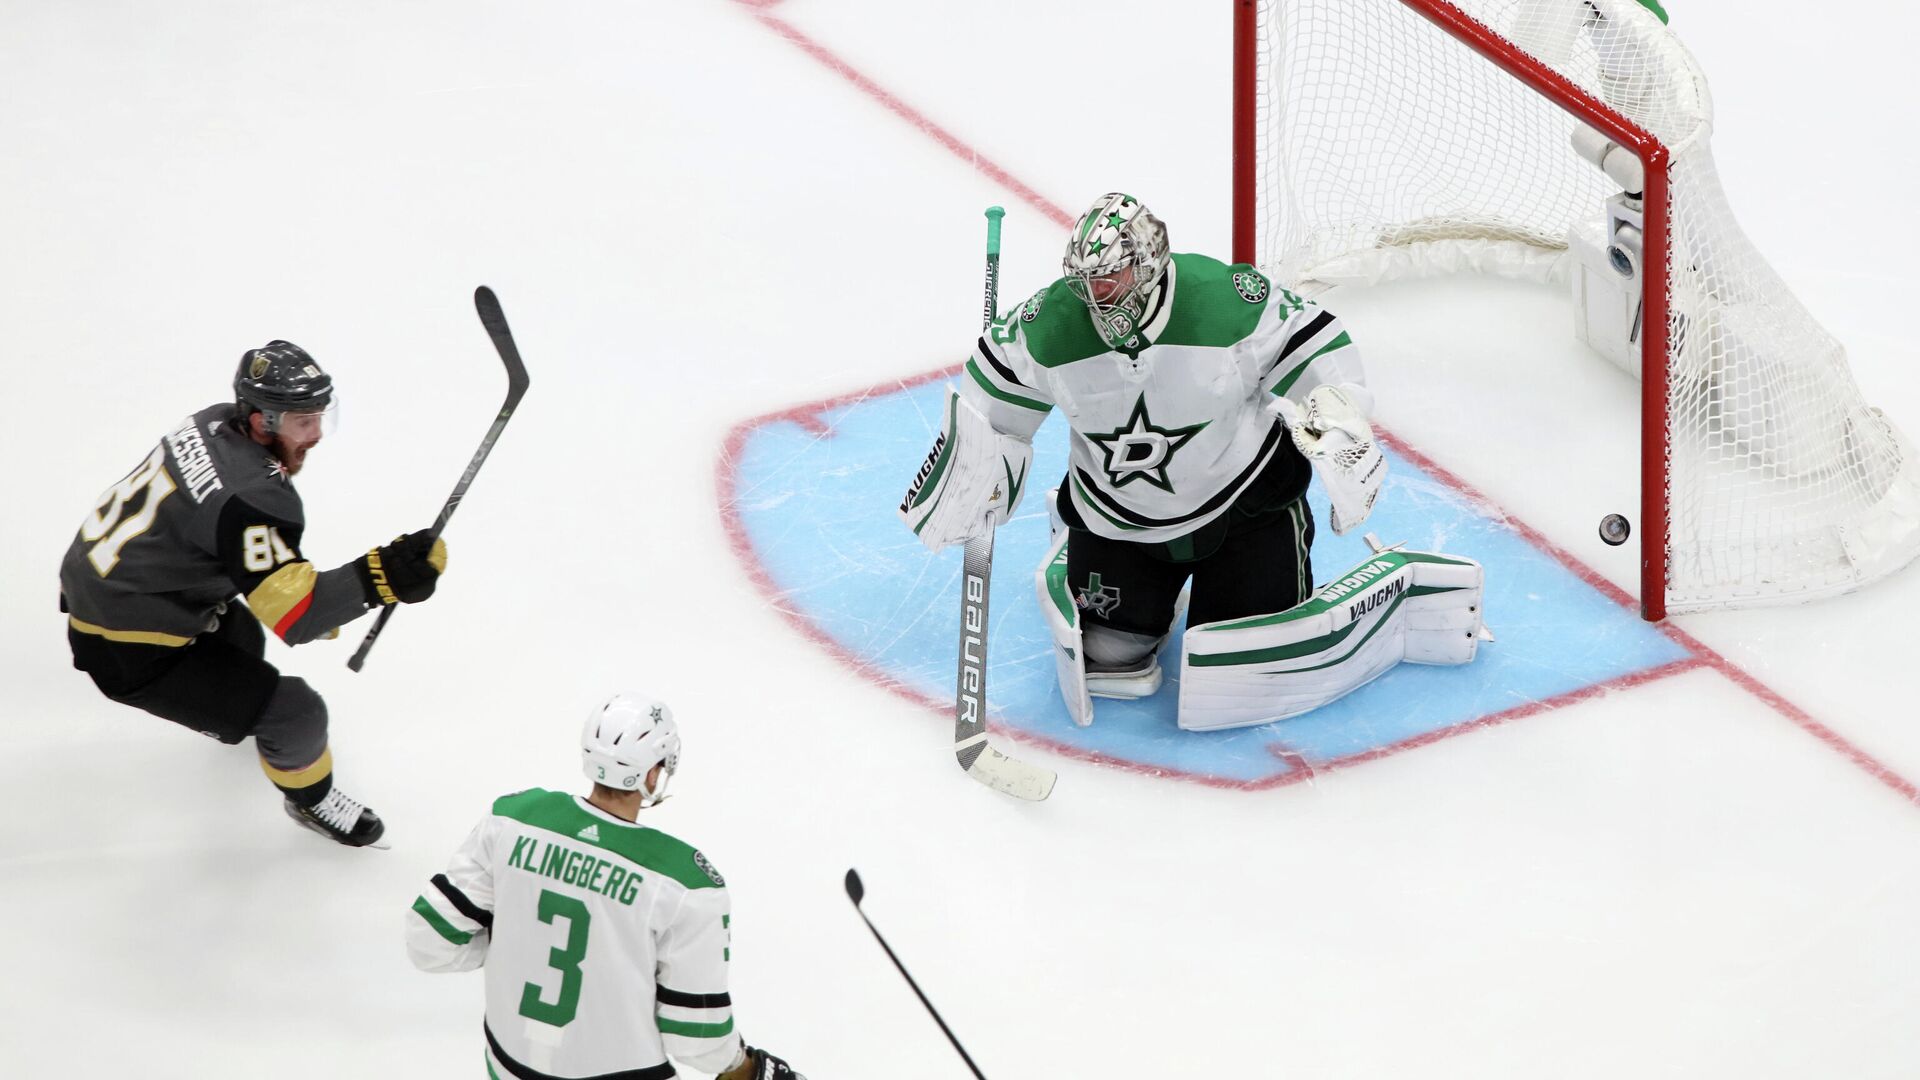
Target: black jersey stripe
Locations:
point(662, 1071)
point(460, 902)
point(1299, 338)
point(999, 368)
point(668, 996)
point(1220, 498)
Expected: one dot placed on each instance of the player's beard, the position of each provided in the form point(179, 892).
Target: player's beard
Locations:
point(292, 455)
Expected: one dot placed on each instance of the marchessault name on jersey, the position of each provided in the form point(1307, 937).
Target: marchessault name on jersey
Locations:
point(192, 461)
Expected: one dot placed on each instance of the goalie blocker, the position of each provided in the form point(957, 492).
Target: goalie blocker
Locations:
point(1415, 606)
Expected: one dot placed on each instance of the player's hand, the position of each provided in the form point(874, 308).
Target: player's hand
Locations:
point(759, 1065)
point(406, 570)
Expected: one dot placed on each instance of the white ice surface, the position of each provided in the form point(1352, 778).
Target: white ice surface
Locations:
point(691, 221)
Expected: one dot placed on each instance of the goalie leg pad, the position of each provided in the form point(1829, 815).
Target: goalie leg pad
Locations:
point(1063, 622)
point(1397, 605)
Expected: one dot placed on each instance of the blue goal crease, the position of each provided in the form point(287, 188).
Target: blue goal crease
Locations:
point(818, 513)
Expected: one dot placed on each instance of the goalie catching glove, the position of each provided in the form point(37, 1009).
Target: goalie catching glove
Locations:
point(1332, 433)
point(970, 482)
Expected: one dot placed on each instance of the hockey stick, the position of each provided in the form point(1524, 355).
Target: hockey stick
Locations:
point(495, 321)
point(857, 891)
point(981, 761)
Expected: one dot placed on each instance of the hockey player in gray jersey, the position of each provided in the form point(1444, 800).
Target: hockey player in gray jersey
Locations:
point(606, 943)
point(153, 583)
point(1200, 399)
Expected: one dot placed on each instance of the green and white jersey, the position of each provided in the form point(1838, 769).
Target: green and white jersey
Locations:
point(605, 943)
point(1167, 433)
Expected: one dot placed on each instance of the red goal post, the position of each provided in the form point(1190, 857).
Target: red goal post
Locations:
point(1767, 507)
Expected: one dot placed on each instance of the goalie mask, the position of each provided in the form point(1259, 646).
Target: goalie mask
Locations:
point(624, 738)
point(1115, 262)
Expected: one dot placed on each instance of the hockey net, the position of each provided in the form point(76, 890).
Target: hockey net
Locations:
point(1384, 139)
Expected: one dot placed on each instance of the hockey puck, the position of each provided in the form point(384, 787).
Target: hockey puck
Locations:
point(1614, 529)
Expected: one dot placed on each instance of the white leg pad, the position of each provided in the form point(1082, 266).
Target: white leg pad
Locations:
point(1063, 620)
point(1397, 605)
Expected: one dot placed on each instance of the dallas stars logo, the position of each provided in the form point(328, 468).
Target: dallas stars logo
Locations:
point(1142, 450)
point(1097, 598)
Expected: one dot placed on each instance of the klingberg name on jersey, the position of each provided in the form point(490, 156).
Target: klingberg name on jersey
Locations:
point(564, 864)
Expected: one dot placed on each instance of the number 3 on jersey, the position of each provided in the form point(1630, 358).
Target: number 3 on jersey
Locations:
point(109, 527)
point(565, 960)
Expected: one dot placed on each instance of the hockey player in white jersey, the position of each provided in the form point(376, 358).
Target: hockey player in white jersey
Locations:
point(1200, 398)
point(606, 943)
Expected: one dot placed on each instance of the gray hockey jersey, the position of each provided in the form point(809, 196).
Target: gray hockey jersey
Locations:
point(207, 516)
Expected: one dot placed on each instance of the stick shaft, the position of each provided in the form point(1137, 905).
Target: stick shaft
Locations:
point(917, 992)
point(495, 322)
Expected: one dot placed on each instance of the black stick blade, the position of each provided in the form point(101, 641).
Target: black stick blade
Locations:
point(855, 891)
point(487, 305)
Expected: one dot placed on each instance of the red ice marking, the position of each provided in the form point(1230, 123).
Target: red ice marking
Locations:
point(1530, 708)
point(807, 416)
point(908, 113)
point(1705, 656)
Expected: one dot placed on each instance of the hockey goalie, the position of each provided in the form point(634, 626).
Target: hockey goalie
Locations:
point(1201, 399)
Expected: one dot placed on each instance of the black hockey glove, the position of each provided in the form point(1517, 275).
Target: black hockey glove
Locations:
point(760, 1065)
point(405, 571)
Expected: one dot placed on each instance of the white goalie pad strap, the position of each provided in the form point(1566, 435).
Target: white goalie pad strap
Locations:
point(1397, 605)
point(1063, 622)
point(972, 472)
point(1333, 434)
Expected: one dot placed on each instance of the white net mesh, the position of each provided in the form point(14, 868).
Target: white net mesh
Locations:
point(1389, 149)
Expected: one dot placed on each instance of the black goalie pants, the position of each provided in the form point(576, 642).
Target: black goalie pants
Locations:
point(1259, 566)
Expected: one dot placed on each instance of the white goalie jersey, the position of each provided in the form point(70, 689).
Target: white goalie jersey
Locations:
point(1166, 435)
point(605, 943)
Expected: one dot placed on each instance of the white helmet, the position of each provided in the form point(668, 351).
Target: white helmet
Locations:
point(1116, 233)
point(624, 738)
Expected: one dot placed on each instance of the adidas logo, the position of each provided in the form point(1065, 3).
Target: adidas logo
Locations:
point(591, 832)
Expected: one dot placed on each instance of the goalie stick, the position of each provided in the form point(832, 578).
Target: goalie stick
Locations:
point(981, 761)
point(856, 892)
point(491, 317)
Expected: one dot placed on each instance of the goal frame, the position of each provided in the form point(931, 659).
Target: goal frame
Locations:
point(1655, 158)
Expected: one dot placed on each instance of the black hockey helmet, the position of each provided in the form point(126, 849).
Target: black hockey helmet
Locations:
point(281, 377)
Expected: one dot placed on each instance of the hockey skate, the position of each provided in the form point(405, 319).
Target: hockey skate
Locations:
point(341, 820)
point(1125, 682)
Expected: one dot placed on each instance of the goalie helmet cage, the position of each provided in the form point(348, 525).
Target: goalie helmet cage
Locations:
point(1384, 139)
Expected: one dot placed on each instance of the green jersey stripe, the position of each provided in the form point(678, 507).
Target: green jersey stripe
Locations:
point(693, 1031)
point(1280, 388)
point(440, 925)
point(1088, 500)
point(986, 384)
